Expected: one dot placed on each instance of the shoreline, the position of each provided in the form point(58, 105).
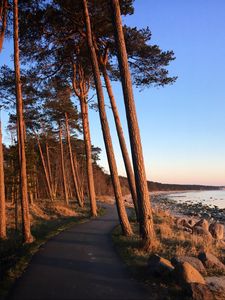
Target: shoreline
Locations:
point(197, 210)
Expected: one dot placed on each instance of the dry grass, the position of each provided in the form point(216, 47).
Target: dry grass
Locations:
point(170, 242)
point(174, 241)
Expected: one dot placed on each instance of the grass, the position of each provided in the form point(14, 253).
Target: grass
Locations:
point(170, 242)
point(15, 256)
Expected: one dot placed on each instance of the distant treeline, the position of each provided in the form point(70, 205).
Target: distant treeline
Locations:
point(156, 186)
point(103, 185)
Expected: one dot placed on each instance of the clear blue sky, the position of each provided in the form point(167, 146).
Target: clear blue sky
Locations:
point(182, 126)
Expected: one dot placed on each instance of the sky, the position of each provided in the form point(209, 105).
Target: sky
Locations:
point(182, 125)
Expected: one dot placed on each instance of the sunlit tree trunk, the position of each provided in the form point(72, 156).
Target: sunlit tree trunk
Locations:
point(75, 178)
point(87, 141)
point(4, 6)
point(2, 190)
point(66, 197)
point(49, 188)
point(126, 228)
point(49, 168)
point(81, 90)
point(125, 154)
point(144, 206)
point(20, 131)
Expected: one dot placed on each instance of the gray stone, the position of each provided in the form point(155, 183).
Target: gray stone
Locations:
point(203, 232)
point(217, 230)
point(186, 274)
point(202, 223)
point(159, 266)
point(211, 261)
point(183, 222)
point(194, 261)
point(200, 291)
point(217, 286)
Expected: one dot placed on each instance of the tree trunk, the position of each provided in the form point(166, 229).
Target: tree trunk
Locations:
point(75, 177)
point(87, 141)
point(125, 154)
point(3, 17)
point(2, 191)
point(49, 169)
point(63, 167)
point(144, 205)
point(20, 132)
point(45, 169)
point(126, 228)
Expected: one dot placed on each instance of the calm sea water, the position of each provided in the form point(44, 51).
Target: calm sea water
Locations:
point(210, 198)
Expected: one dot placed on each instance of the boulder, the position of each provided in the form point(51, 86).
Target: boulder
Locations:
point(202, 223)
point(194, 261)
point(211, 261)
point(191, 222)
point(199, 291)
point(159, 266)
point(203, 232)
point(217, 286)
point(183, 222)
point(184, 228)
point(187, 274)
point(217, 230)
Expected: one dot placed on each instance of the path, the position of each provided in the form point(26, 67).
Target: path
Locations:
point(79, 263)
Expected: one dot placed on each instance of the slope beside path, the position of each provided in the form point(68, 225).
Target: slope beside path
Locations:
point(79, 263)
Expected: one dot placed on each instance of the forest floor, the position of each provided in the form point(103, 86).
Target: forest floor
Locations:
point(80, 263)
point(48, 219)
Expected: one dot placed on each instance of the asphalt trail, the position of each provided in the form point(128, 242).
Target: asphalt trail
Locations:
point(79, 263)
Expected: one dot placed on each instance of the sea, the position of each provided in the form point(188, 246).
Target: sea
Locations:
point(211, 198)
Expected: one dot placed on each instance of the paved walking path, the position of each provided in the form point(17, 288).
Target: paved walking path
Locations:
point(79, 263)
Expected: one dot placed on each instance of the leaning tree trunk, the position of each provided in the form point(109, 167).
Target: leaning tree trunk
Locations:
point(2, 191)
point(20, 132)
point(74, 173)
point(63, 167)
point(45, 169)
point(125, 154)
point(144, 206)
point(126, 228)
point(87, 141)
point(49, 168)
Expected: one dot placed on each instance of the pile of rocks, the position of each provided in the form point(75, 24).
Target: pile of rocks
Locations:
point(202, 227)
point(191, 274)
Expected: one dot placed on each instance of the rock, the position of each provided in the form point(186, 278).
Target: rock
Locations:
point(191, 222)
point(203, 232)
point(159, 266)
point(202, 223)
point(194, 261)
point(187, 274)
point(217, 286)
point(200, 291)
point(211, 261)
point(183, 222)
point(184, 228)
point(217, 230)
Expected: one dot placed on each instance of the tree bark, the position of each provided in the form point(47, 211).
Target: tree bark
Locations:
point(75, 178)
point(2, 191)
point(3, 17)
point(63, 167)
point(126, 228)
point(144, 206)
point(28, 238)
point(45, 169)
point(49, 169)
point(87, 141)
point(125, 154)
